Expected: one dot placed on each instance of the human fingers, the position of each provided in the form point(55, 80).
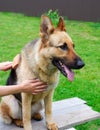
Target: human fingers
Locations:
point(38, 84)
point(38, 91)
point(6, 66)
point(37, 80)
point(6, 62)
point(30, 87)
point(32, 81)
point(43, 86)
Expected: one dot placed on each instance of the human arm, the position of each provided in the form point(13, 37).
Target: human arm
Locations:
point(8, 64)
point(28, 86)
point(5, 65)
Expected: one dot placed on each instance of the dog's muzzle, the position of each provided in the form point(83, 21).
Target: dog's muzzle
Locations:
point(66, 68)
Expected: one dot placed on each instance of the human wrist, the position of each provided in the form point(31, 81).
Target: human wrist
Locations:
point(18, 88)
point(22, 87)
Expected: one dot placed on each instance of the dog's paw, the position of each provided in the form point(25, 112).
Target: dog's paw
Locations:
point(37, 117)
point(52, 126)
point(19, 123)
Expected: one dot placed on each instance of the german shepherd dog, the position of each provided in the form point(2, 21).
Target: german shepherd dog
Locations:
point(43, 58)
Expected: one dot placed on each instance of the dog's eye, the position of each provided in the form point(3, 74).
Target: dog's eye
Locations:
point(64, 47)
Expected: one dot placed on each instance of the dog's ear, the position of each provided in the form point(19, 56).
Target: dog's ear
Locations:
point(46, 27)
point(61, 24)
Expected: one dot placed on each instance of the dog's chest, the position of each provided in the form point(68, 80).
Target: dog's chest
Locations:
point(42, 95)
point(39, 97)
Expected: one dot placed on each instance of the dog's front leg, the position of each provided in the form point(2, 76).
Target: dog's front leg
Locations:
point(26, 110)
point(51, 125)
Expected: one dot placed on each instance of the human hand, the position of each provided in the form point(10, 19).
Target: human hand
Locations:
point(34, 86)
point(5, 65)
point(16, 61)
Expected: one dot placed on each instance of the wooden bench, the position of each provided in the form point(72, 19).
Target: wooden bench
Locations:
point(67, 113)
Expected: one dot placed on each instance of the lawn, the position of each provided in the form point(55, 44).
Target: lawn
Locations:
point(16, 30)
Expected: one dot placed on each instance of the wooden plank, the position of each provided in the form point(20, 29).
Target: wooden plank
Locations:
point(66, 103)
point(75, 116)
point(67, 113)
point(71, 129)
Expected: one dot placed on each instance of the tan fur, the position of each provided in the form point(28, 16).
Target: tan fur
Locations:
point(16, 61)
point(5, 111)
point(36, 62)
point(37, 116)
point(18, 122)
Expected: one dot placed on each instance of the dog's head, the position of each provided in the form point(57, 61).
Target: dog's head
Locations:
point(58, 47)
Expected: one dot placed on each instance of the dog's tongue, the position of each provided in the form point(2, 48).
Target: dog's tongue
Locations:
point(70, 74)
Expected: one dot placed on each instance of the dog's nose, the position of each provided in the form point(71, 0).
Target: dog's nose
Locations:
point(79, 64)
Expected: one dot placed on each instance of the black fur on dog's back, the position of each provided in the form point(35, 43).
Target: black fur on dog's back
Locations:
point(12, 78)
point(12, 81)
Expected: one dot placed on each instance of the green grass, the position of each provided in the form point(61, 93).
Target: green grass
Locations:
point(16, 30)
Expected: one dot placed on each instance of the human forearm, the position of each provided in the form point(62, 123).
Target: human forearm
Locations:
point(11, 89)
point(28, 86)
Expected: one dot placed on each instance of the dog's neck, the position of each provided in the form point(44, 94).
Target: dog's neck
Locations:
point(46, 72)
point(48, 77)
